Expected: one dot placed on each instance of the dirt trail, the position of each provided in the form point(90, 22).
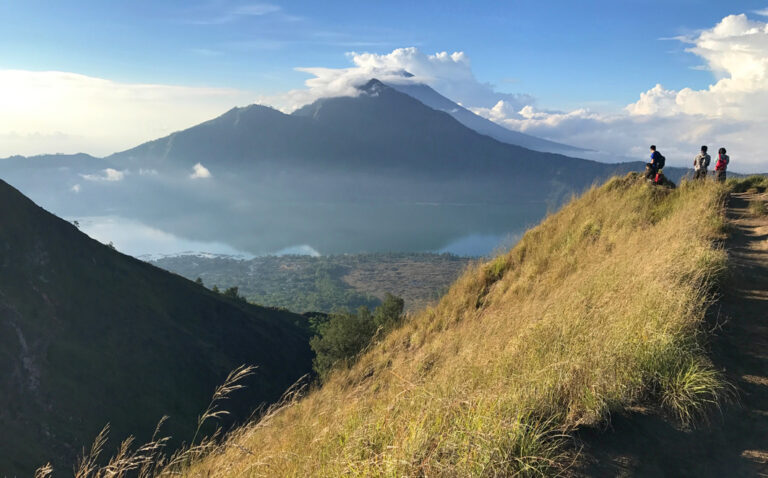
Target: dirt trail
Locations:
point(735, 443)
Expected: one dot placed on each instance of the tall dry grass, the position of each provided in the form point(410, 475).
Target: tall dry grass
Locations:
point(150, 459)
point(599, 308)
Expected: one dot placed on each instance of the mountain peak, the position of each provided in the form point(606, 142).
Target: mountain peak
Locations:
point(373, 87)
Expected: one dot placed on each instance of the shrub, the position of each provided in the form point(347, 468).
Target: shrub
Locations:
point(341, 336)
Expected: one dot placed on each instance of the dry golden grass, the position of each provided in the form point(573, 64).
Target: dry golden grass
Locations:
point(150, 459)
point(599, 308)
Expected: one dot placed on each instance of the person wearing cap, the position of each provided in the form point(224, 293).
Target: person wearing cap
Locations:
point(701, 163)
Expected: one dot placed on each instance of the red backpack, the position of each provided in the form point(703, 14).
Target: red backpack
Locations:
point(721, 163)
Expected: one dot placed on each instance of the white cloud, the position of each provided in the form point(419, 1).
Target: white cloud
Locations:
point(108, 175)
point(59, 112)
point(301, 250)
point(75, 189)
point(200, 172)
point(211, 16)
point(732, 112)
point(148, 172)
point(448, 73)
point(656, 101)
point(763, 12)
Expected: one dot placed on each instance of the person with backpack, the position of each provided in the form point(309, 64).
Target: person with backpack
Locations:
point(721, 165)
point(701, 163)
point(657, 164)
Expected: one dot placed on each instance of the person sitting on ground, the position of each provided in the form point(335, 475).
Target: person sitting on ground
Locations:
point(701, 163)
point(721, 165)
point(656, 164)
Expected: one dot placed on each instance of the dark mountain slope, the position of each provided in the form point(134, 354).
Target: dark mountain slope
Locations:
point(381, 130)
point(90, 336)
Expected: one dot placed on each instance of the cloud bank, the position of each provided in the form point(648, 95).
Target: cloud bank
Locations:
point(58, 112)
point(449, 73)
point(732, 112)
point(107, 175)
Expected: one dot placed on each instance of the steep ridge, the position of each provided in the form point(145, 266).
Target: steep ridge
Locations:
point(599, 308)
point(89, 336)
point(735, 441)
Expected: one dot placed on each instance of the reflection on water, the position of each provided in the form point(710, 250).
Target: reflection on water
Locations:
point(481, 245)
point(137, 239)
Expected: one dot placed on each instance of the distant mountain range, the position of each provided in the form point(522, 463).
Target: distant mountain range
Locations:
point(392, 169)
point(89, 336)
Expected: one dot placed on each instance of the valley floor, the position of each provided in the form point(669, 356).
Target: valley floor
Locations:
point(735, 442)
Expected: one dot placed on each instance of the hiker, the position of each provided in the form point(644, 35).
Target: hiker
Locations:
point(721, 165)
point(701, 163)
point(657, 164)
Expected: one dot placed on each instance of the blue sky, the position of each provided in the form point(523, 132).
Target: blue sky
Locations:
point(565, 53)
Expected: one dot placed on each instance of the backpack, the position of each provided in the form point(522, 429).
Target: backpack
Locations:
point(721, 164)
point(661, 161)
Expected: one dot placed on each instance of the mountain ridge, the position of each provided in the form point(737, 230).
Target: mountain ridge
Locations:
point(91, 336)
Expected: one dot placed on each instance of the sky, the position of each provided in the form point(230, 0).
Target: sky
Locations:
point(100, 77)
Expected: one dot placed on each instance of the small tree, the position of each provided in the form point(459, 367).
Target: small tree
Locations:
point(199, 281)
point(233, 293)
point(389, 313)
point(342, 336)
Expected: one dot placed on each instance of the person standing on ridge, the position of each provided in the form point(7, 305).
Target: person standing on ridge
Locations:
point(701, 163)
point(721, 165)
point(657, 163)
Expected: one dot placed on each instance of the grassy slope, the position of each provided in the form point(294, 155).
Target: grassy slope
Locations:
point(597, 309)
point(90, 336)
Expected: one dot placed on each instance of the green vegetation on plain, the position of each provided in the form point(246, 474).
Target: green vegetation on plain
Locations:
point(327, 283)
